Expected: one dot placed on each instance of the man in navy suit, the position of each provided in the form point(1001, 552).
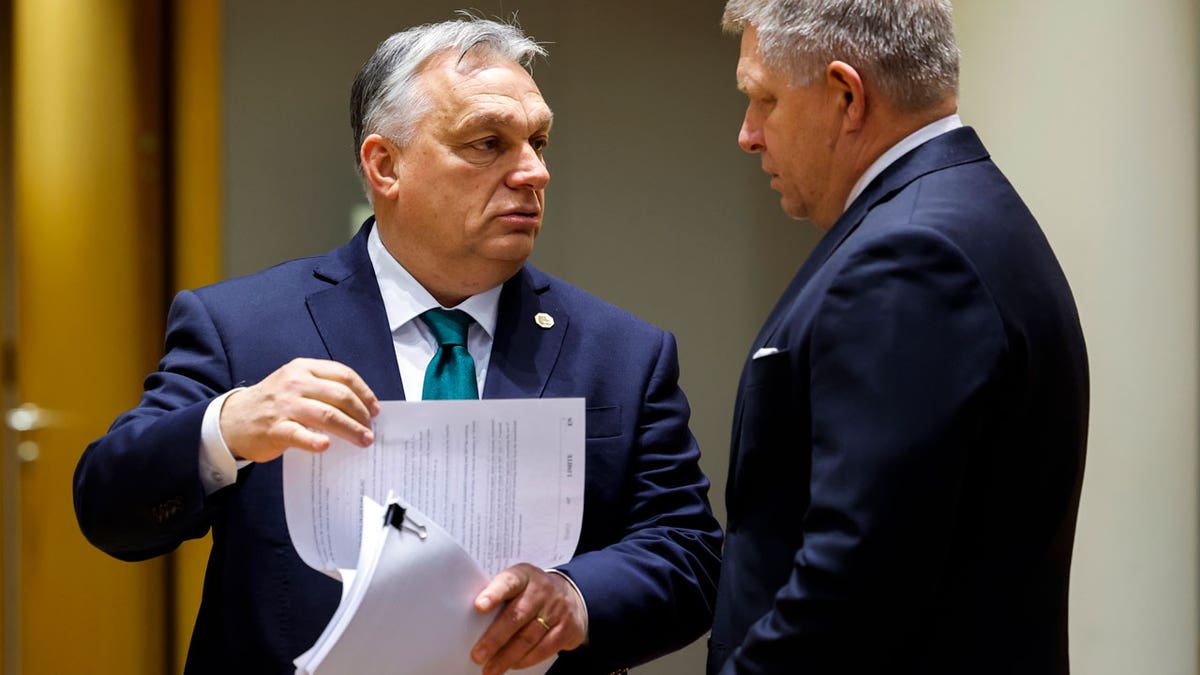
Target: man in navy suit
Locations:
point(449, 133)
point(909, 433)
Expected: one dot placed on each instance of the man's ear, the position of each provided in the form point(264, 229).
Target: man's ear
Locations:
point(379, 156)
point(847, 84)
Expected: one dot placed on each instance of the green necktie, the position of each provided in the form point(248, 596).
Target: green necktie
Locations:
point(451, 372)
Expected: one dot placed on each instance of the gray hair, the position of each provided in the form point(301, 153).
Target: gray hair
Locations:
point(387, 97)
point(906, 47)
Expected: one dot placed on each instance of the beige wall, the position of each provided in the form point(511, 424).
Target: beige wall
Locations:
point(1090, 108)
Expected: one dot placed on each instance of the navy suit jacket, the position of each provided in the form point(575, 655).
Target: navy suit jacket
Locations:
point(905, 469)
point(648, 553)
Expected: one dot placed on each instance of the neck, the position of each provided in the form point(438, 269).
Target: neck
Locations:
point(886, 127)
point(891, 126)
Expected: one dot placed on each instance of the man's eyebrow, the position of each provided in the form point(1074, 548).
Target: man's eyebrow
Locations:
point(487, 120)
point(743, 81)
point(747, 78)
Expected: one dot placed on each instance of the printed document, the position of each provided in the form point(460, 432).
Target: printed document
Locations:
point(504, 477)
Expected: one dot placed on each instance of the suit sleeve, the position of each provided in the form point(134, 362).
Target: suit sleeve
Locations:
point(904, 349)
point(653, 590)
point(137, 489)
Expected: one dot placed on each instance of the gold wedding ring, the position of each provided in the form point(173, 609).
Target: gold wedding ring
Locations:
point(545, 624)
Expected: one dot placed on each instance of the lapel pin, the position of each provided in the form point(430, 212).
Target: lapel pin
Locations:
point(543, 320)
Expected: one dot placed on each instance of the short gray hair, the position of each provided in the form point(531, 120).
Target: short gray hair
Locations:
point(906, 47)
point(387, 97)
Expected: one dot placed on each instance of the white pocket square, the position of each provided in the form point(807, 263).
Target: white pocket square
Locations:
point(764, 351)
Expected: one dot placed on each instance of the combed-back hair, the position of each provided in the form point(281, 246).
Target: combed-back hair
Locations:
point(387, 97)
point(906, 47)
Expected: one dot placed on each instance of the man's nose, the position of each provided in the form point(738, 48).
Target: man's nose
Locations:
point(531, 171)
point(750, 137)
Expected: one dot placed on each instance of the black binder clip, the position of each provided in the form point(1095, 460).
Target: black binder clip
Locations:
point(397, 517)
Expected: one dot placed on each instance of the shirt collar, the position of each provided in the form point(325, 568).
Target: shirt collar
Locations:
point(404, 298)
point(909, 143)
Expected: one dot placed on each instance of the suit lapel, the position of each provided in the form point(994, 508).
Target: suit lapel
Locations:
point(523, 352)
point(351, 319)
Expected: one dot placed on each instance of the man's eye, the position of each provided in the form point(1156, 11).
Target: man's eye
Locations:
point(762, 106)
point(539, 144)
point(486, 145)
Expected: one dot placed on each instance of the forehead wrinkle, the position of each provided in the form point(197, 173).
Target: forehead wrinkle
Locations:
point(489, 119)
point(478, 99)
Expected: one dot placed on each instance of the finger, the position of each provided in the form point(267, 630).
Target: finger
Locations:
point(552, 643)
point(517, 649)
point(338, 395)
point(506, 585)
point(321, 381)
point(338, 372)
point(351, 403)
point(289, 434)
point(561, 617)
point(508, 623)
point(338, 384)
point(564, 617)
point(511, 584)
point(322, 417)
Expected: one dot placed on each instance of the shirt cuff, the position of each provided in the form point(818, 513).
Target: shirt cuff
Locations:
point(218, 468)
point(581, 599)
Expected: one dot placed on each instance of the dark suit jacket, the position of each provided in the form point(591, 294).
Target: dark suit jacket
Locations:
point(648, 552)
point(905, 471)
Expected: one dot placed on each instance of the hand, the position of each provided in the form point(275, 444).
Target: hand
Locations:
point(516, 639)
point(298, 406)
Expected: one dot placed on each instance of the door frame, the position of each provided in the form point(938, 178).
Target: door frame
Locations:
point(84, 218)
point(10, 606)
point(195, 156)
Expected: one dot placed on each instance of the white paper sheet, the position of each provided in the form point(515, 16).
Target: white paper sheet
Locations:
point(410, 608)
point(504, 477)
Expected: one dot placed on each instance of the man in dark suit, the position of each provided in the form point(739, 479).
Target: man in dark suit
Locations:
point(909, 433)
point(449, 132)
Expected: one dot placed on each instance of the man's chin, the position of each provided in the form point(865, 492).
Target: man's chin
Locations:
point(513, 248)
point(792, 209)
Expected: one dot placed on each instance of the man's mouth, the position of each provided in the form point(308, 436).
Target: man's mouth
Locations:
point(521, 217)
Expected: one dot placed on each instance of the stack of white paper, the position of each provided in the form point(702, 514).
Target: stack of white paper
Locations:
point(415, 565)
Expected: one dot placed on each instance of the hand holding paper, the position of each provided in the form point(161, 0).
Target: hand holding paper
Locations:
point(544, 616)
point(407, 610)
point(300, 405)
